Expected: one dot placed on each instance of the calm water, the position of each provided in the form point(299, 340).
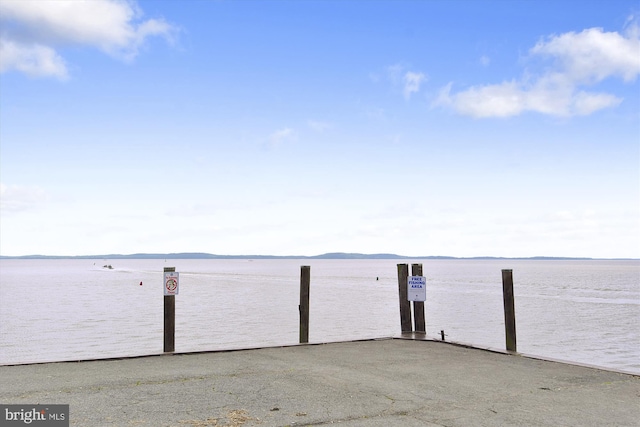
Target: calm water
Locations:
point(52, 310)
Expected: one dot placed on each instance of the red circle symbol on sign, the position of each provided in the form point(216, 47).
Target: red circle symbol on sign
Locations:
point(171, 284)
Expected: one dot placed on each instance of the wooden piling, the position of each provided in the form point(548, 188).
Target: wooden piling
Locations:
point(418, 306)
point(169, 319)
point(509, 310)
point(303, 308)
point(405, 307)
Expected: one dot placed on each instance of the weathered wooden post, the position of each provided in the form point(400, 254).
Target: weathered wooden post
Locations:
point(509, 310)
point(405, 307)
point(418, 306)
point(305, 280)
point(169, 318)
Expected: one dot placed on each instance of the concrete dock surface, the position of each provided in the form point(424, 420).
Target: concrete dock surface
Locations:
point(391, 382)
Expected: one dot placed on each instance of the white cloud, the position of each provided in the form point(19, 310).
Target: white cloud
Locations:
point(394, 73)
point(319, 126)
point(409, 80)
point(412, 83)
point(498, 100)
point(279, 137)
point(512, 98)
point(594, 55)
point(33, 30)
point(34, 60)
point(17, 198)
point(585, 103)
point(579, 59)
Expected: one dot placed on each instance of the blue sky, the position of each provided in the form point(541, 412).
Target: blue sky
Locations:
point(462, 128)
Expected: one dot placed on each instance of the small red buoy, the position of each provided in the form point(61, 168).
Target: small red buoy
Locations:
point(140, 283)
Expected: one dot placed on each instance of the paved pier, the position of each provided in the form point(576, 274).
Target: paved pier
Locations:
point(390, 382)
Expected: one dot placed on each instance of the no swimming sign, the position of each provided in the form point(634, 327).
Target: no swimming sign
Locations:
point(171, 283)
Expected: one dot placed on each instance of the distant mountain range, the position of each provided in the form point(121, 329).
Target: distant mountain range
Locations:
point(331, 255)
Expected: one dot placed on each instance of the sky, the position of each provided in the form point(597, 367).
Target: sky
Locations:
point(453, 128)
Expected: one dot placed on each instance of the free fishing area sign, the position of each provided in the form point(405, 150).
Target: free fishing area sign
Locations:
point(416, 288)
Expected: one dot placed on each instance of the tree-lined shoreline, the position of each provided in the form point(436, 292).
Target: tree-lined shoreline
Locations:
point(330, 255)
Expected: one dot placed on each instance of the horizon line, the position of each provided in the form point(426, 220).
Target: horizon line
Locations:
point(328, 255)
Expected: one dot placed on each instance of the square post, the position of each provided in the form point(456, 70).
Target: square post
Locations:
point(509, 310)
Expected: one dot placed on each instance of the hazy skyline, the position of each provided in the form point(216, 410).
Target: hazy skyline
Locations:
point(454, 128)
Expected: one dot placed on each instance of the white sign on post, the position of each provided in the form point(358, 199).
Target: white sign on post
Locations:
point(416, 288)
point(171, 282)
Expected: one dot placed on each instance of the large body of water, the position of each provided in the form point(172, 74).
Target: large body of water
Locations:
point(54, 310)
